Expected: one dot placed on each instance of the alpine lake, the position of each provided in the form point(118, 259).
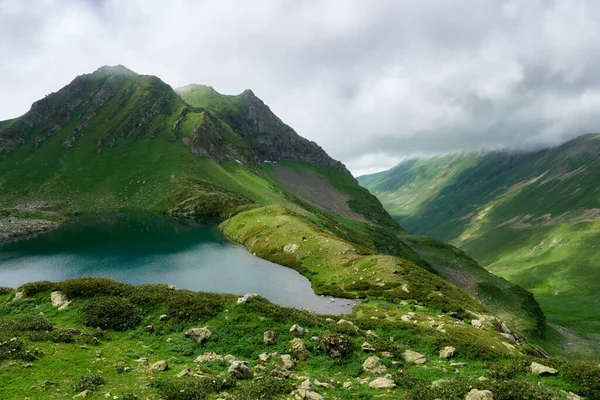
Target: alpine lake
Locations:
point(142, 248)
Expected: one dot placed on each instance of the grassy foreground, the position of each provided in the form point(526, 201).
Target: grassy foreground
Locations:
point(108, 339)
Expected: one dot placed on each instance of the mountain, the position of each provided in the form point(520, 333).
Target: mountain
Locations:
point(530, 217)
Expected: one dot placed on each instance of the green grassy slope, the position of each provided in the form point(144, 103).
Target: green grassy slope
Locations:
point(48, 353)
point(529, 217)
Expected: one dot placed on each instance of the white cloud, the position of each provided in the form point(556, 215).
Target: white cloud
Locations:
point(372, 82)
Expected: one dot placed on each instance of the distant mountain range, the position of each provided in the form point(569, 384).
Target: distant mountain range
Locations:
point(531, 217)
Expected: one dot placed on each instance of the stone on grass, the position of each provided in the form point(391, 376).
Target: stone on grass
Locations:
point(367, 347)
point(59, 300)
point(159, 366)
point(162, 317)
point(325, 385)
point(82, 395)
point(346, 385)
point(382, 383)
point(240, 370)
point(246, 298)
point(476, 394)
point(542, 370)
point(297, 331)
point(414, 357)
point(286, 362)
point(185, 372)
point(373, 365)
point(447, 352)
point(200, 335)
point(270, 338)
point(299, 349)
point(209, 356)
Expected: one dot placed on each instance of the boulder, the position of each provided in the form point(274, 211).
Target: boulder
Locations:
point(346, 385)
point(306, 385)
point(299, 349)
point(542, 370)
point(382, 383)
point(372, 365)
point(325, 385)
point(18, 296)
point(230, 359)
point(447, 352)
point(82, 395)
point(264, 357)
point(240, 370)
point(159, 366)
point(270, 338)
point(297, 330)
point(306, 390)
point(286, 362)
point(414, 357)
point(209, 356)
point(59, 300)
point(367, 347)
point(246, 298)
point(479, 395)
point(162, 317)
point(185, 372)
point(200, 335)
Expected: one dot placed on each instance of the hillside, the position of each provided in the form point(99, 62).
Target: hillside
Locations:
point(114, 140)
point(529, 217)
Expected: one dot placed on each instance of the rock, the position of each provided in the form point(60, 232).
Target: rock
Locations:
point(325, 385)
point(82, 395)
point(185, 372)
point(306, 385)
point(542, 370)
point(372, 365)
point(386, 354)
point(510, 337)
point(230, 359)
point(264, 357)
point(246, 298)
point(406, 318)
point(299, 349)
point(59, 300)
point(447, 352)
point(162, 317)
point(570, 395)
point(240, 370)
point(371, 333)
point(209, 356)
point(270, 338)
point(414, 357)
point(440, 382)
point(142, 360)
point(382, 383)
point(479, 395)
point(302, 394)
point(286, 362)
point(18, 296)
point(367, 347)
point(297, 330)
point(159, 366)
point(458, 365)
point(200, 335)
point(290, 248)
point(482, 379)
point(343, 321)
point(150, 328)
point(346, 385)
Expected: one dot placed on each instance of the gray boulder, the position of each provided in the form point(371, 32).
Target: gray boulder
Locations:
point(200, 335)
point(240, 370)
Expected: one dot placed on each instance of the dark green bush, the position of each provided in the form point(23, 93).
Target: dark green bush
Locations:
point(16, 349)
point(183, 346)
point(456, 389)
point(269, 388)
point(196, 389)
point(110, 312)
point(5, 290)
point(507, 369)
point(13, 327)
point(129, 396)
point(183, 305)
point(122, 367)
point(91, 287)
point(585, 376)
point(33, 288)
point(88, 382)
point(56, 336)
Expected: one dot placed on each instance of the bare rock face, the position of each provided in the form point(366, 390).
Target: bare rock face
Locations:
point(373, 366)
point(479, 395)
point(59, 300)
point(246, 298)
point(542, 370)
point(240, 370)
point(200, 335)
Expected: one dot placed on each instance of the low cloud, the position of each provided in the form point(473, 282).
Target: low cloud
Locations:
point(372, 82)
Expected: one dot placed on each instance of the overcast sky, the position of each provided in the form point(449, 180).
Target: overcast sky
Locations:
point(370, 81)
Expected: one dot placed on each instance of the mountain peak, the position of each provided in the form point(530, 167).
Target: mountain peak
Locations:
point(113, 70)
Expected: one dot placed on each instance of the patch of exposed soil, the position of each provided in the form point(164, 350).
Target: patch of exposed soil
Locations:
point(316, 190)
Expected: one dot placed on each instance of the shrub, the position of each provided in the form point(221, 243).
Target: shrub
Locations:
point(507, 369)
point(189, 306)
point(13, 327)
point(88, 382)
point(269, 388)
point(15, 349)
point(57, 336)
point(91, 287)
point(181, 345)
point(122, 367)
point(110, 312)
point(335, 346)
point(196, 389)
point(33, 288)
point(129, 396)
point(5, 290)
point(585, 376)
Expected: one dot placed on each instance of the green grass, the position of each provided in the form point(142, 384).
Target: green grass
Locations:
point(238, 330)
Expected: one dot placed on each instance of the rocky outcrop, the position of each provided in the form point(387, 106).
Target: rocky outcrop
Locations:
point(59, 300)
point(13, 228)
point(240, 370)
point(159, 366)
point(476, 394)
point(382, 383)
point(542, 370)
point(414, 357)
point(270, 338)
point(447, 352)
point(373, 366)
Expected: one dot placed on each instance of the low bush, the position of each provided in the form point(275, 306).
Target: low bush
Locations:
point(585, 376)
point(110, 312)
point(5, 290)
point(34, 288)
point(335, 346)
point(56, 336)
point(16, 349)
point(91, 287)
point(88, 382)
point(269, 388)
point(507, 369)
point(196, 389)
point(184, 305)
